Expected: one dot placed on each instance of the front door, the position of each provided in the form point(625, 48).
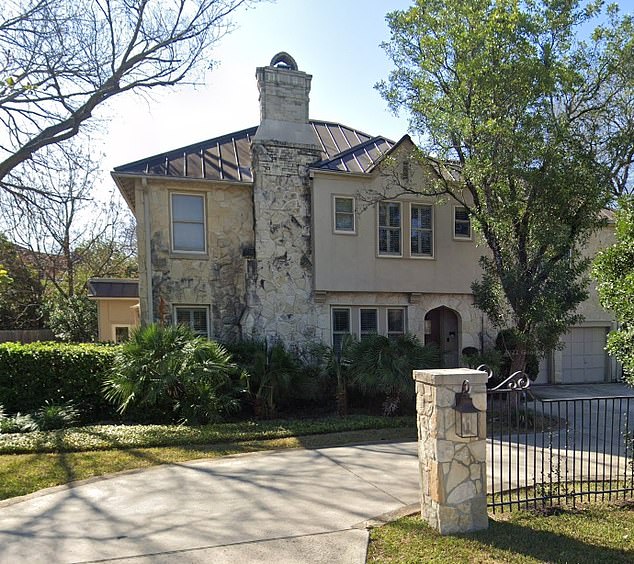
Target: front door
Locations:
point(441, 329)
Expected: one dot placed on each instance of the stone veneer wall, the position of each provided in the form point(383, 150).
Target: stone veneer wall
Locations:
point(216, 279)
point(280, 278)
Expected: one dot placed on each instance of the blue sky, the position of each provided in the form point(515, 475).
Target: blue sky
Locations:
point(337, 41)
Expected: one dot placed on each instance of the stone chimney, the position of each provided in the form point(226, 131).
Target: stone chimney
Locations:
point(284, 101)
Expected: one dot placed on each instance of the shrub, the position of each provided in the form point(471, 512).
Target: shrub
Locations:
point(33, 373)
point(270, 373)
point(505, 343)
point(384, 365)
point(169, 367)
point(55, 416)
point(18, 423)
point(73, 319)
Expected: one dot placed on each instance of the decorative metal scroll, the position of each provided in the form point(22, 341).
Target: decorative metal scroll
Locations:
point(517, 381)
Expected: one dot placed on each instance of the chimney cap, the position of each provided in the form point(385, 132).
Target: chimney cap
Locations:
point(283, 60)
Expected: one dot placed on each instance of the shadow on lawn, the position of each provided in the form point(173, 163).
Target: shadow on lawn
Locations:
point(546, 546)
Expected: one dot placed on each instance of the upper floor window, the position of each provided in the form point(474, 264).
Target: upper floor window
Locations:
point(390, 228)
point(196, 318)
point(422, 231)
point(188, 223)
point(461, 223)
point(344, 215)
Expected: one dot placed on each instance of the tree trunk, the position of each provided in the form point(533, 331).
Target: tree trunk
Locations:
point(342, 401)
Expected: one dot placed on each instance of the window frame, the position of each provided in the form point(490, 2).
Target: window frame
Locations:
point(431, 230)
point(352, 231)
point(116, 326)
point(191, 308)
point(379, 227)
point(348, 309)
point(203, 198)
point(455, 221)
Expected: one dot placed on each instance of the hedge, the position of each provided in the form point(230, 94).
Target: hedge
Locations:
point(33, 373)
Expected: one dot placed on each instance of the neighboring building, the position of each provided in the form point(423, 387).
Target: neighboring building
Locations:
point(117, 306)
point(262, 232)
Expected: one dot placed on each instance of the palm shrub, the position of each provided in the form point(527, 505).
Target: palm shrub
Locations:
point(170, 367)
point(270, 373)
point(337, 364)
point(384, 365)
point(56, 416)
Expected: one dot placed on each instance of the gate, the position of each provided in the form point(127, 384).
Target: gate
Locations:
point(545, 452)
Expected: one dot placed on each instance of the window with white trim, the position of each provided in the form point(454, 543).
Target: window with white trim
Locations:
point(344, 214)
point(395, 321)
point(196, 318)
point(340, 326)
point(121, 333)
point(368, 322)
point(389, 228)
point(422, 230)
point(188, 223)
point(461, 223)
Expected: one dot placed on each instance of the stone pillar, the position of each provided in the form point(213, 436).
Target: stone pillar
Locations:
point(452, 468)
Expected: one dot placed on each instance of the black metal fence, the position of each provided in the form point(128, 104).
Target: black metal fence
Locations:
point(549, 452)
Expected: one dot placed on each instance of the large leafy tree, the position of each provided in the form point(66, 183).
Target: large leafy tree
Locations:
point(526, 126)
point(614, 271)
point(62, 60)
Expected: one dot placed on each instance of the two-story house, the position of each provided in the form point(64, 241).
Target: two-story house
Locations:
point(266, 232)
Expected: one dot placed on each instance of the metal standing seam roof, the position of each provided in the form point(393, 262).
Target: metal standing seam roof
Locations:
point(113, 288)
point(228, 157)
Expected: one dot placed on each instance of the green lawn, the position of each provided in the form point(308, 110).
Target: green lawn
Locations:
point(593, 534)
point(40, 460)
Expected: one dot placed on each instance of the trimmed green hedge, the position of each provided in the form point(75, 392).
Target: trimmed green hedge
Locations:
point(33, 373)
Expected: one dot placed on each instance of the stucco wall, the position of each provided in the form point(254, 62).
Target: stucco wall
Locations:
point(112, 312)
point(215, 279)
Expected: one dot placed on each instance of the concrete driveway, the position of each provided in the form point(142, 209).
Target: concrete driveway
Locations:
point(294, 506)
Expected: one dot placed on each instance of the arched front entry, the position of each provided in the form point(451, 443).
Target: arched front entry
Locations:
point(442, 328)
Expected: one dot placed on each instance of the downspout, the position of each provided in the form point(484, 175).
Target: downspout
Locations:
point(148, 250)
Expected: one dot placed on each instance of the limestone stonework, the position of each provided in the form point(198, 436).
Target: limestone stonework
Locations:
point(452, 468)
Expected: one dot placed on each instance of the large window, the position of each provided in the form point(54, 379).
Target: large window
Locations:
point(461, 224)
point(344, 214)
point(422, 231)
point(361, 322)
point(340, 326)
point(196, 318)
point(188, 223)
point(390, 228)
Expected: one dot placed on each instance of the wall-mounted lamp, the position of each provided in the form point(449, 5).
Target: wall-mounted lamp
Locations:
point(466, 413)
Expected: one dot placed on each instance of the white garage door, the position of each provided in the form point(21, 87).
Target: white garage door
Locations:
point(584, 358)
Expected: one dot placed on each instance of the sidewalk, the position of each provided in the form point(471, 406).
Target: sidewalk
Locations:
point(289, 506)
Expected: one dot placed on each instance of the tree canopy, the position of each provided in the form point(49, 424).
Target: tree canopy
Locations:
point(60, 60)
point(527, 126)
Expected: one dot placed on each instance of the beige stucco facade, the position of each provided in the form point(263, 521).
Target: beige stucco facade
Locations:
point(116, 314)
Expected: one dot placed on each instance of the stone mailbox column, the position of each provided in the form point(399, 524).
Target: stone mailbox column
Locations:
point(452, 468)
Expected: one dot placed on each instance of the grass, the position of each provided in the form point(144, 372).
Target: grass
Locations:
point(592, 534)
point(21, 474)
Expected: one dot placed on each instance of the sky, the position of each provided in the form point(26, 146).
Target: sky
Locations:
point(336, 41)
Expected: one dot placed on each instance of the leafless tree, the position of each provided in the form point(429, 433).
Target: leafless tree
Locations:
point(61, 59)
point(62, 231)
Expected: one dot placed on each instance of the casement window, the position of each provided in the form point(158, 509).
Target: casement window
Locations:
point(461, 223)
point(344, 215)
point(188, 223)
point(422, 231)
point(395, 321)
point(368, 322)
point(389, 228)
point(196, 318)
point(340, 326)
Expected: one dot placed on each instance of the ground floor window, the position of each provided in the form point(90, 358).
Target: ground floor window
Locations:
point(361, 321)
point(121, 333)
point(196, 318)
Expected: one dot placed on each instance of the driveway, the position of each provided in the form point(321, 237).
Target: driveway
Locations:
point(304, 506)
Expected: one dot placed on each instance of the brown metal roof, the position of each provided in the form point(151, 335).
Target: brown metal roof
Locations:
point(228, 157)
point(113, 288)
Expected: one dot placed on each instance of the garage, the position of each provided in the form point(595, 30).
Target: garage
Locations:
point(584, 359)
